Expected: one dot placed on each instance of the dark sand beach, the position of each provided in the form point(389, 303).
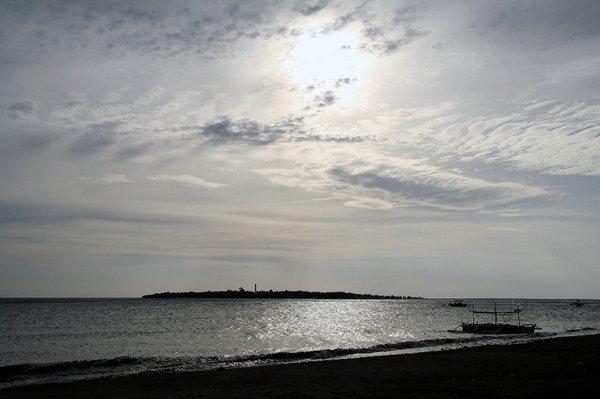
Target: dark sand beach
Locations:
point(561, 367)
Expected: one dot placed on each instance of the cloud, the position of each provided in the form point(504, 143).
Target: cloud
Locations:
point(22, 109)
point(390, 37)
point(310, 7)
point(344, 81)
point(389, 46)
point(327, 99)
point(152, 29)
point(114, 179)
point(546, 137)
point(112, 96)
point(288, 130)
point(434, 187)
point(246, 131)
point(347, 18)
point(22, 137)
point(133, 151)
point(523, 24)
point(369, 203)
point(71, 104)
point(188, 180)
point(12, 213)
point(373, 32)
point(331, 139)
point(367, 173)
point(95, 138)
point(105, 180)
point(381, 34)
point(20, 143)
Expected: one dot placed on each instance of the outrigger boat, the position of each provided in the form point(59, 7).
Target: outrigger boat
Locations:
point(495, 327)
point(577, 303)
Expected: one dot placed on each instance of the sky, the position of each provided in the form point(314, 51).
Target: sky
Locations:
point(439, 149)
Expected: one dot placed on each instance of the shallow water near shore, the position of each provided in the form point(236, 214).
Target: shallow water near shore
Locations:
point(44, 340)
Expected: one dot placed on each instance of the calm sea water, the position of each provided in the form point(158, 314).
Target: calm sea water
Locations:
point(60, 339)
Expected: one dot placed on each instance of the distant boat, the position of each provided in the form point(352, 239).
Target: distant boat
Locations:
point(577, 303)
point(457, 303)
point(498, 328)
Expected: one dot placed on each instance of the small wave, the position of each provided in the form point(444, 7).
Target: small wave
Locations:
point(338, 352)
point(28, 374)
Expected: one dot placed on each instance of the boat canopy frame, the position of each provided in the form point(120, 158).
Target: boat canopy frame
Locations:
point(495, 312)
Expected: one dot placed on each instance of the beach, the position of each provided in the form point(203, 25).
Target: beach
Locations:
point(567, 367)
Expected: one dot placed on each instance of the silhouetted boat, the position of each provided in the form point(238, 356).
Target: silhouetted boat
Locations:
point(498, 328)
point(457, 303)
point(577, 303)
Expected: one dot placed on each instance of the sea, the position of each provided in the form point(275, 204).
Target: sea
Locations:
point(58, 340)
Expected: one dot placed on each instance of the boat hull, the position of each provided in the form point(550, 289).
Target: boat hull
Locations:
point(490, 328)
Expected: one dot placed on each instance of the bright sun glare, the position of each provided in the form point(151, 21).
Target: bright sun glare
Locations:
point(325, 58)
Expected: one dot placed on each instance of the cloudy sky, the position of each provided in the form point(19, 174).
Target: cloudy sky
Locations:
point(415, 148)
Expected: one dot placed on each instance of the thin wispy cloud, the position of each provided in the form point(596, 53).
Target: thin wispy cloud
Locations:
point(114, 179)
point(188, 180)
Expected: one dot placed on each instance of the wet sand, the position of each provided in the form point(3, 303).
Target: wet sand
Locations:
point(562, 367)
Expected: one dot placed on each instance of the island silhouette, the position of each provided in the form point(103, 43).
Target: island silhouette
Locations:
point(270, 294)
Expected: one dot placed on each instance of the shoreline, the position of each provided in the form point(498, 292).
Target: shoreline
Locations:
point(540, 367)
point(25, 374)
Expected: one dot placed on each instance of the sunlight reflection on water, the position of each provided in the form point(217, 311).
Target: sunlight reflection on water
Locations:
point(63, 330)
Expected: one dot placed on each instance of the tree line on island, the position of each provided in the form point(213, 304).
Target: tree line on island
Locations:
point(244, 294)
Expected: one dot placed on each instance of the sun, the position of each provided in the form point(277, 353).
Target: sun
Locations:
point(317, 59)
